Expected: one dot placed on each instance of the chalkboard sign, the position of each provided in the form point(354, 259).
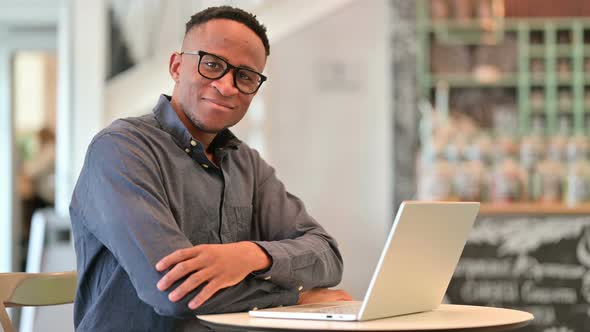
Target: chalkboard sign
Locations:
point(539, 265)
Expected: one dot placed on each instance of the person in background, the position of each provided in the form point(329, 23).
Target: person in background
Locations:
point(41, 167)
point(37, 178)
point(174, 216)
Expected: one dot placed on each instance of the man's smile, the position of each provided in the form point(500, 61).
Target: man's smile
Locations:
point(219, 103)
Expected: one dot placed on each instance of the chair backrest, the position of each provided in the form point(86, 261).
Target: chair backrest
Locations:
point(34, 289)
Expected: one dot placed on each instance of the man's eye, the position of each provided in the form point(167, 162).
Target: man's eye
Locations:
point(212, 65)
point(245, 77)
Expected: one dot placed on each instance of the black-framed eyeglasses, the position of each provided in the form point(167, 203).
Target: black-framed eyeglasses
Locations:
point(213, 67)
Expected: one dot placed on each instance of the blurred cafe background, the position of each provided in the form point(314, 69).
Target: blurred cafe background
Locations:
point(382, 101)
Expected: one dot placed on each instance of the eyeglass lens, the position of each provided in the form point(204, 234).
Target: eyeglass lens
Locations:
point(213, 68)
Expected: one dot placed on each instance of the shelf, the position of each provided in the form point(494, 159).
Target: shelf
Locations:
point(507, 80)
point(509, 24)
point(539, 79)
point(561, 51)
point(489, 209)
point(540, 47)
point(470, 81)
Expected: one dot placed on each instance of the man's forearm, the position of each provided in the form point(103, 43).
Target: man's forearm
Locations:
point(215, 267)
point(307, 262)
point(303, 254)
point(246, 295)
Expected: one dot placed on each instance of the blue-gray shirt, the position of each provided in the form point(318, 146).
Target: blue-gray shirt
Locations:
point(148, 189)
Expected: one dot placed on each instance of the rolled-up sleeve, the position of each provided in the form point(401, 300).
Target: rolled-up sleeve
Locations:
point(120, 199)
point(303, 254)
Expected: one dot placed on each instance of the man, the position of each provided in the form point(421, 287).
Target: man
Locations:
point(173, 216)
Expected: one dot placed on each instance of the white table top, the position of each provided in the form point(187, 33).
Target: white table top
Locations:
point(447, 317)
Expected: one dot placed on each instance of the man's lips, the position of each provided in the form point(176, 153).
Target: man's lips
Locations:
point(220, 103)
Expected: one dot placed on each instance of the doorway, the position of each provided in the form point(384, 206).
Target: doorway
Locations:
point(27, 86)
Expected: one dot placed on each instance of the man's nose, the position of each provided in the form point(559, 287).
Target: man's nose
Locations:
point(225, 85)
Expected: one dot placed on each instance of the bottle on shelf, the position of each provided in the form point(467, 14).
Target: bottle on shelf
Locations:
point(435, 176)
point(577, 179)
point(470, 183)
point(531, 154)
point(546, 185)
point(508, 178)
point(577, 148)
point(507, 182)
point(577, 182)
point(485, 145)
point(435, 172)
point(456, 154)
point(458, 150)
point(547, 180)
point(557, 143)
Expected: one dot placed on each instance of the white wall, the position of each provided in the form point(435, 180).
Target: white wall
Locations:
point(329, 128)
point(81, 74)
point(7, 170)
point(88, 74)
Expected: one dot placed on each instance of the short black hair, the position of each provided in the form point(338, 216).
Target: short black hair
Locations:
point(230, 13)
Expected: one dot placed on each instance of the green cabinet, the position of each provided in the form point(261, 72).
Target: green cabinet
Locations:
point(552, 63)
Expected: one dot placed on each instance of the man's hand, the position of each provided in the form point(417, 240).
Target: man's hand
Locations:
point(317, 295)
point(217, 265)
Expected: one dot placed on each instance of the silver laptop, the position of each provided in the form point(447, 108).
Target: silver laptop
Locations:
point(413, 272)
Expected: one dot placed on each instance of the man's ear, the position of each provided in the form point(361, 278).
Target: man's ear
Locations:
point(174, 66)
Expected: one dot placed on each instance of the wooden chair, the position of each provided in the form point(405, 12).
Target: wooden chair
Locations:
point(34, 289)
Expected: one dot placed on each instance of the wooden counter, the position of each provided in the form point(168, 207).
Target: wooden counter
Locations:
point(490, 209)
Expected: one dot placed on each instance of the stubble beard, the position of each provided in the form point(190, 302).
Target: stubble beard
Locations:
point(199, 125)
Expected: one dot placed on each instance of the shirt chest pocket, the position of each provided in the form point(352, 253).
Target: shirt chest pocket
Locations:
point(240, 222)
point(203, 227)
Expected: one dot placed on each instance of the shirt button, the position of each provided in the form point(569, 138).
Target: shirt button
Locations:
point(267, 278)
point(193, 143)
point(187, 150)
point(300, 288)
point(205, 165)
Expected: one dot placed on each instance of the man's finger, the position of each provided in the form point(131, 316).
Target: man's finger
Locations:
point(209, 290)
point(178, 271)
point(176, 257)
point(191, 283)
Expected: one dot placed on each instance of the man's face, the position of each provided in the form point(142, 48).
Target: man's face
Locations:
point(213, 105)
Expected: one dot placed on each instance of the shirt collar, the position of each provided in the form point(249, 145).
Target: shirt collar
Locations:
point(171, 123)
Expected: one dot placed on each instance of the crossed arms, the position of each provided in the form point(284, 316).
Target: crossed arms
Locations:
point(131, 216)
